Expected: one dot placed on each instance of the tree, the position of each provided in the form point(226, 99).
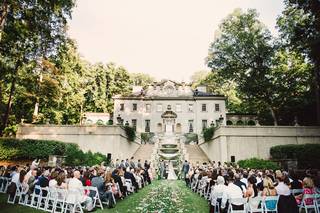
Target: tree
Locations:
point(30, 31)
point(300, 29)
point(141, 79)
point(243, 54)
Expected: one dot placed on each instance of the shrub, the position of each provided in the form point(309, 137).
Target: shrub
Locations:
point(130, 133)
point(14, 149)
point(146, 136)
point(256, 163)
point(191, 137)
point(208, 133)
point(306, 154)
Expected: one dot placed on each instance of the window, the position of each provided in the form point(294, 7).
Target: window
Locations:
point(204, 108)
point(159, 107)
point(121, 107)
point(178, 108)
point(134, 107)
point(147, 126)
point(190, 107)
point(190, 123)
point(217, 107)
point(204, 124)
point(148, 107)
point(134, 123)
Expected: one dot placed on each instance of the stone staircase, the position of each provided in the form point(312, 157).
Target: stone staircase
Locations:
point(144, 152)
point(196, 154)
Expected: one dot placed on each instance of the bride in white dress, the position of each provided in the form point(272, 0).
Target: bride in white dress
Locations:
point(171, 174)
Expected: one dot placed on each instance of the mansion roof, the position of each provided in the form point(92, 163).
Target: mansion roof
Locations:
point(168, 89)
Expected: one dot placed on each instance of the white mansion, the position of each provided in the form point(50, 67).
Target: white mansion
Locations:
point(168, 106)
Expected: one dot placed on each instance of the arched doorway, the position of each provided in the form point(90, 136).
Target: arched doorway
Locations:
point(169, 119)
point(178, 128)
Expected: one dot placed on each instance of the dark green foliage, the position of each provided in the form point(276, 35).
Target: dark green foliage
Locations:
point(14, 149)
point(130, 133)
point(191, 137)
point(256, 163)
point(306, 154)
point(208, 133)
point(146, 137)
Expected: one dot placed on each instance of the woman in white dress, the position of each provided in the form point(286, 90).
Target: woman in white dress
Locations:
point(171, 174)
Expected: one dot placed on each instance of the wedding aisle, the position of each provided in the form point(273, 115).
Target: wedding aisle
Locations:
point(162, 196)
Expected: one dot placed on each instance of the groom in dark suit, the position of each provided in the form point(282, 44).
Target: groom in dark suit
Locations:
point(185, 170)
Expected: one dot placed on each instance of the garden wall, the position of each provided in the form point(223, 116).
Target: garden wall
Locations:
point(255, 141)
point(103, 139)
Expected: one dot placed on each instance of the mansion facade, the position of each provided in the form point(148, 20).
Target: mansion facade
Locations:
point(168, 106)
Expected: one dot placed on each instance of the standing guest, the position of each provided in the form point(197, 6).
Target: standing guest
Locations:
point(185, 169)
point(139, 164)
point(76, 184)
point(162, 169)
point(126, 163)
point(122, 165)
point(132, 164)
point(117, 164)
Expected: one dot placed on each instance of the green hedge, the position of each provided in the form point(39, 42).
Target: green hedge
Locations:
point(256, 163)
point(208, 133)
point(130, 133)
point(306, 154)
point(14, 149)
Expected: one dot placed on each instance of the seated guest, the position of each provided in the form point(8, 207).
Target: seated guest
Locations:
point(32, 180)
point(237, 182)
point(308, 189)
point(76, 184)
point(217, 192)
point(43, 180)
point(130, 176)
point(269, 190)
point(287, 202)
point(232, 191)
point(118, 180)
point(252, 193)
point(99, 182)
point(61, 181)
point(53, 181)
point(86, 181)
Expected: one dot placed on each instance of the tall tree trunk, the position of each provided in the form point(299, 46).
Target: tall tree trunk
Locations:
point(9, 104)
point(273, 114)
point(3, 16)
point(317, 93)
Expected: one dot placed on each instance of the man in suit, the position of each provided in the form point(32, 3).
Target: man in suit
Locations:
point(130, 176)
point(127, 163)
point(132, 164)
point(162, 169)
point(98, 182)
point(117, 164)
point(185, 168)
point(139, 164)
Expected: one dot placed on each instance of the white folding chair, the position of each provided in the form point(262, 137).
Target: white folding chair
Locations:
point(214, 202)
point(23, 198)
point(130, 187)
point(1, 184)
point(242, 202)
point(17, 194)
point(72, 203)
point(317, 200)
point(59, 197)
point(271, 204)
point(308, 202)
point(255, 204)
point(5, 182)
point(94, 194)
point(296, 192)
point(35, 196)
point(43, 197)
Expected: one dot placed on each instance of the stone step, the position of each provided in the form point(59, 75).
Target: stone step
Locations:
point(196, 155)
point(144, 152)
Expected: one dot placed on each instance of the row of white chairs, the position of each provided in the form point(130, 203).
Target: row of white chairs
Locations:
point(4, 183)
point(202, 187)
point(52, 199)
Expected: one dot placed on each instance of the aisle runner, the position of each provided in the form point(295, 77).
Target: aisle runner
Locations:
point(165, 197)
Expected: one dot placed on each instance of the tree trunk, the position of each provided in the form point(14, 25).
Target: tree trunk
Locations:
point(317, 93)
point(9, 104)
point(273, 114)
point(3, 16)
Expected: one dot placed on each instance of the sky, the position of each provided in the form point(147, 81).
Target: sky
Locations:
point(168, 39)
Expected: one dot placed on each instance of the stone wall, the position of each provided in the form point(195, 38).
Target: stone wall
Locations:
point(103, 139)
point(255, 141)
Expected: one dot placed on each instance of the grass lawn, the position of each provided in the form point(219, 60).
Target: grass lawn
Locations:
point(161, 196)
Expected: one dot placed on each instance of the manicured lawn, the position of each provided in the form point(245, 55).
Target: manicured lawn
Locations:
point(168, 196)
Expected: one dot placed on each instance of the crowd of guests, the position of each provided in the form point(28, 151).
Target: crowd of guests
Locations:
point(226, 182)
point(111, 181)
